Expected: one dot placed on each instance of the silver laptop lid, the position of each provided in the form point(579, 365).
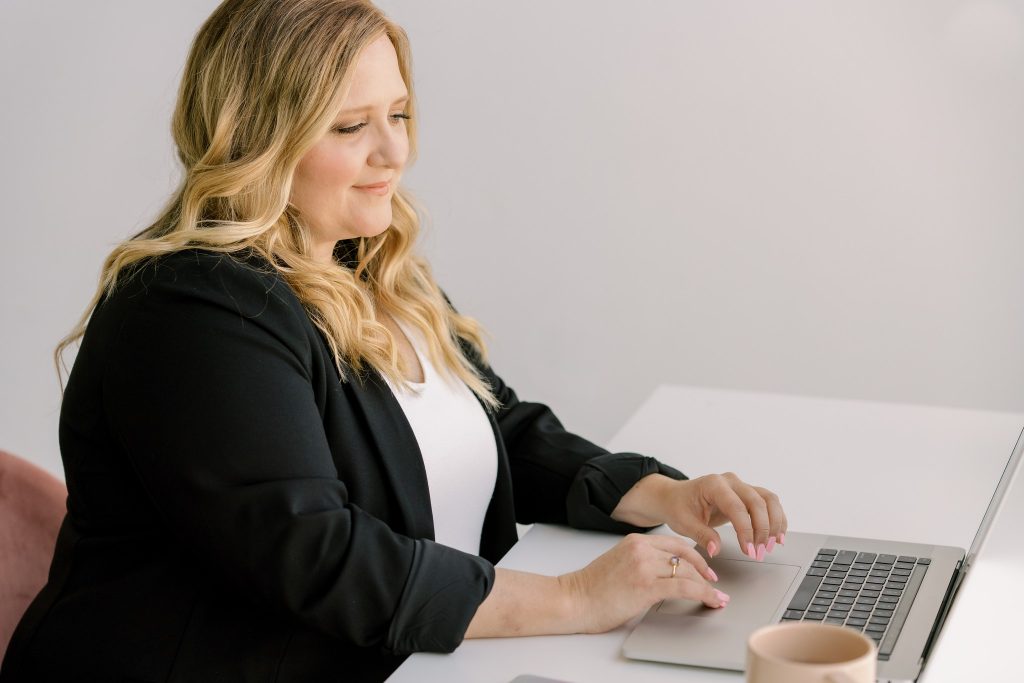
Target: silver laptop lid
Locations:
point(997, 499)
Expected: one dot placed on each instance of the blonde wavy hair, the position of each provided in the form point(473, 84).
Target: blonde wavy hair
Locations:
point(263, 82)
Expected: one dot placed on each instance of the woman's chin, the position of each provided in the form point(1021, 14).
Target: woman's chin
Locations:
point(364, 231)
point(371, 228)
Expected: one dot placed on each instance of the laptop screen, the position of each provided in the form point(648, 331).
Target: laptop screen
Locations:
point(997, 498)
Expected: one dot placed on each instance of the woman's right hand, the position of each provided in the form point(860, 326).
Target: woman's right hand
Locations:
point(634, 575)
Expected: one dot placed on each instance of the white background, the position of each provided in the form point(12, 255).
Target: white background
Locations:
point(806, 197)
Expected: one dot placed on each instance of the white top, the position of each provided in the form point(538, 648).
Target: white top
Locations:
point(458, 448)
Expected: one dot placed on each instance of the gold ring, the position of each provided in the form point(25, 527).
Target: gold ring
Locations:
point(675, 564)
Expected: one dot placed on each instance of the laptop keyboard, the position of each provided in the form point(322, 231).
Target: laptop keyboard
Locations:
point(866, 591)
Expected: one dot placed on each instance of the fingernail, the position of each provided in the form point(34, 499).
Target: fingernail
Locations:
point(712, 548)
point(750, 551)
point(782, 539)
point(760, 552)
point(722, 597)
point(712, 574)
point(771, 544)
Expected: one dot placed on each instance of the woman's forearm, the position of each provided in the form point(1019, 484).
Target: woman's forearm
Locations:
point(616, 586)
point(524, 604)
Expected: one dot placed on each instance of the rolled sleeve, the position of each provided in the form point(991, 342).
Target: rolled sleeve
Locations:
point(602, 482)
point(560, 477)
point(433, 614)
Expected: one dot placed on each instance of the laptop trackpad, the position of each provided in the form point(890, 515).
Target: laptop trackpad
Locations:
point(755, 589)
point(686, 632)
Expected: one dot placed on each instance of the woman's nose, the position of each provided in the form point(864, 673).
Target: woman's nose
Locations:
point(392, 147)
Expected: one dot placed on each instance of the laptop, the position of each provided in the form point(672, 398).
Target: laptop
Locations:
point(898, 594)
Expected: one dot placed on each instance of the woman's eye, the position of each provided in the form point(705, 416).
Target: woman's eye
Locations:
point(349, 130)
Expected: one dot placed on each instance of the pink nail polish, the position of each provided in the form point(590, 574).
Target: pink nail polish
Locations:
point(714, 576)
point(723, 597)
point(751, 552)
point(782, 539)
point(760, 552)
point(712, 548)
point(771, 544)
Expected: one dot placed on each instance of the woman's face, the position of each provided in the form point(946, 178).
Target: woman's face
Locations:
point(344, 184)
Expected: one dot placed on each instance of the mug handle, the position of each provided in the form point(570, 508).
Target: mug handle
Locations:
point(840, 677)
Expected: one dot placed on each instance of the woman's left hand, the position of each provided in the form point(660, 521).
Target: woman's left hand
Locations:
point(694, 507)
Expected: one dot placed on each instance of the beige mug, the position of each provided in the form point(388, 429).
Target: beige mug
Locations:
point(802, 652)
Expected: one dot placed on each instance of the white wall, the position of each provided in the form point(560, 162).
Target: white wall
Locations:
point(87, 88)
point(803, 196)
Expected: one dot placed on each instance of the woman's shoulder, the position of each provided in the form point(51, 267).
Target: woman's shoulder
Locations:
point(243, 281)
point(204, 264)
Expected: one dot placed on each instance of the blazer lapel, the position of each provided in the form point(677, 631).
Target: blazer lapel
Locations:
point(399, 452)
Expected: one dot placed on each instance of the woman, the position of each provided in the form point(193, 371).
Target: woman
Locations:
point(287, 458)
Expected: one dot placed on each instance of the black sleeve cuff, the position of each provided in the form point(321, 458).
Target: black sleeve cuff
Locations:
point(444, 589)
point(602, 482)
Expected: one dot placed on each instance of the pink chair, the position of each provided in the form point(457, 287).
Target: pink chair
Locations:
point(32, 507)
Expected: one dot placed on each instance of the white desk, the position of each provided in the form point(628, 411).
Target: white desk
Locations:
point(938, 466)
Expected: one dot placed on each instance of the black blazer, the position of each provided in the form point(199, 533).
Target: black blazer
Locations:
point(238, 513)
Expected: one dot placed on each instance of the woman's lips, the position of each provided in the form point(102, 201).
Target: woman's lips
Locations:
point(379, 188)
